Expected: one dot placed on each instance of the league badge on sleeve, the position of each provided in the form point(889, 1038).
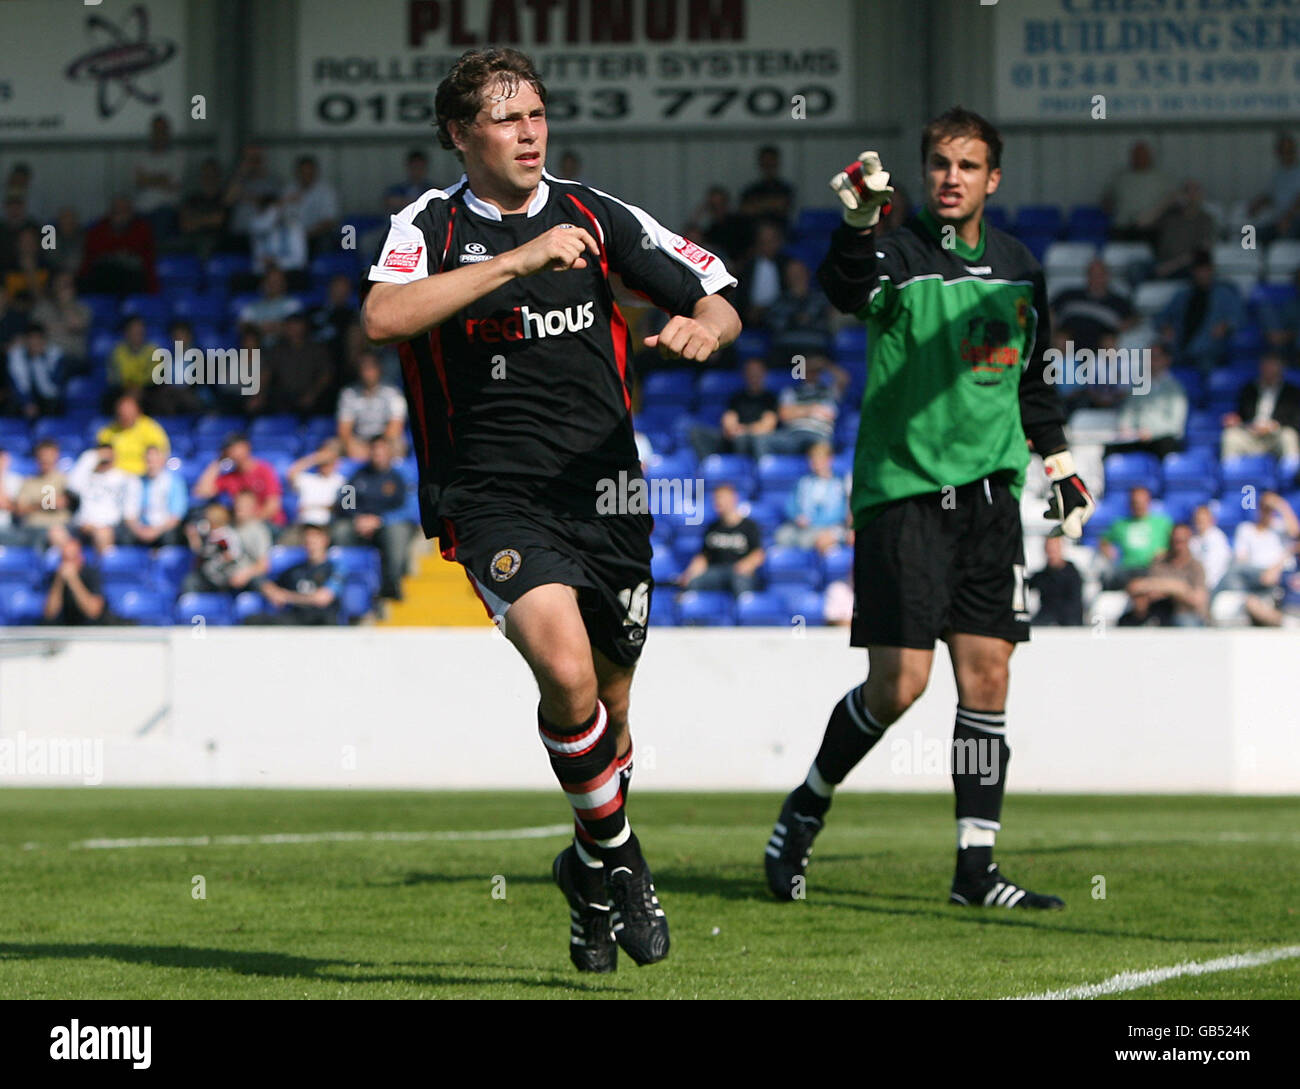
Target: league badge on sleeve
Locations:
point(404, 257)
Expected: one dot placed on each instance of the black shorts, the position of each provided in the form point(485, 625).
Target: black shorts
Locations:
point(924, 568)
point(506, 552)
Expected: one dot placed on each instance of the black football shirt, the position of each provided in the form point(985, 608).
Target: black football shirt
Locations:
point(522, 398)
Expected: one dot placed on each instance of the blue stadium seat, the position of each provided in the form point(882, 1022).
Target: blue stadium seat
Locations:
point(16, 560)
point(1197, 468)
point(674, 387)
point(171, 564)
point(222, 266)
point(768, 512)
point(706, 608)
point(838, 563)
point(140, 605)
point(1204, 429)
point(207, 310)
point(357, 599)
point(179, 270)
point(1180, 504)
point(357, 561)
point(317, 429)
point(153, 308)
point(279, 449)
point(1246, 342)
point(764, 609)
point(780, 472)
point(103, 310)
point(1087, 223)
point(86, 391)
point(1113, 505)
point(719, 383)
point(126, 565)
point(250, 603)
point(663, 608)
point(817, 222)
point(1036, 242)
point(843, 463)
point(793, 567)
point(22, 606)
point(735, 469)
point(663, 417)
point(687, 543)
point(678, 466)
point(283, 557)
point(1257, 470)
point(1192, 381)
point(1124, 471)
point(215, 609)
point(1230, 513)
point(1044, 219)
point(340, 263)
point(664, 566)
point(804, 603)
point(998, 217)
point(15, 434)
point(753, 343)
point(211, 430)
point(851, 341)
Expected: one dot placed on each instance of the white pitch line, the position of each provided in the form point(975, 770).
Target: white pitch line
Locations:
point(540, 832)
point(1132, 981)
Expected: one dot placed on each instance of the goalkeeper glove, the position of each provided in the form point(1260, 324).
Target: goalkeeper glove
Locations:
point(1070, 502)
point(864, 189)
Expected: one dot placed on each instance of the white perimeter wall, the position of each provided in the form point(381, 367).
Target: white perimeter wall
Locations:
point(454, 708)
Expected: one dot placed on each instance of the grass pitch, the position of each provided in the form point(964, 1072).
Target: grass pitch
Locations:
point(1185, 879)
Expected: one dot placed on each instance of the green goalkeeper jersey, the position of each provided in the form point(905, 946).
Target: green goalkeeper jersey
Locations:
point(955, 343)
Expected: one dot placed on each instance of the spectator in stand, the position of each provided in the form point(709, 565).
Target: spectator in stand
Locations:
point(29, 276)
point(1091, 314)
point(158, 175)
point(1133, 544)
point(131, 434)
point(11, 485)
point(330, 323)
point(299, 372)
point(36, 375)
point(719, 229)
point(168, 392)
point(66, 320)
point(131, 362)
point(13, 323)
point(43, 505)
point(314, 204)
point(1281, 202)
point(1209, 545)
point(203, 214)
point(267, 313)
point(157, 503)
point(1173, 592)
point(119, 255)
point(1183, 229)
point(370, 409)
point(16, 219)
point(278, 240)
point(317, 482)
point(808, 409)
point(75, 596)
point(236, 400)
point(1263, 550)
point(1267, 419)
point(250, 186)
point(751, 417)
point(818, 508)
point(1136, 195)
point(102, 492)
point(732, 552)
point(378, 494)
point(307, 593)
point(762, 274)
point(1279, 609)
point(800, 318)
point(71, 250)
point(1198, 322)
point(1060, 588)
point(237, 471)
point(1281, 323)
point(770, 198)
point(229, 557)
point(412, 187)
point(19, 181)
point(1154, 422)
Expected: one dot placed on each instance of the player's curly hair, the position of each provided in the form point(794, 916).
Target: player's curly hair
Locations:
point(461, 93)
point(960, 121)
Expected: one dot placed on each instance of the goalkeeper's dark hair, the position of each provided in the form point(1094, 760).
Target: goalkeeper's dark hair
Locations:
point(477, 72)
point(958, 122)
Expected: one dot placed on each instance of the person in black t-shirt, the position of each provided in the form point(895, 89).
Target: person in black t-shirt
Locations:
point(750, 417)
point(308, 592)
point(514, 359)
point(770, 198)
point(1060, 589)
point(732, 552)
point(74, 597)
point(1092, 314)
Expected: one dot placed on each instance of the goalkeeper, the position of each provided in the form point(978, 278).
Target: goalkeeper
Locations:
point(957, 323)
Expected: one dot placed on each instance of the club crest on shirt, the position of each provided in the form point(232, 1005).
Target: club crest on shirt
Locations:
point(505, 563)
point(404, 257)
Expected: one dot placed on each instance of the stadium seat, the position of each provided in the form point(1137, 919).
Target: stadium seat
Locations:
point(664, 566)
point(179, 270)
point(763, 609)
point(1204, 428)
point(688, 541)
point(1281, 260)
point(673, 387)
point(339, 263)
point(209, 431)
point(1230, 513)
point(356, 600)
point(837, 563)
point(768, 512)
point(817, 222)
point(103, 311)
point(735, 469)
point(1270, 296)
point(753, 343)
point(1256, 470)
point(222, 266)
point(171, 564)
point(1110, 508)
point(215, 609)
point(851, 341)
point(250, 603)
point(22, 606)
point(1039, 219)
point(283, 557)
point(1037, 242)
point(1246, 342)
point(779, 473)
point(357, 561)
point(1192, 381)
point(126, 565)
point(209, 311)
point(1153, 296)
point(1232, 260)
point(663, 608)
point(1195, 469)
point(678, 466)
point(1087, 223)
point(792, 567)
point(153, 308)
point(1123, 259)
point(142, 606)
point(706, 608)
point(1180, 504)
point(1124, 471)
point(1069, 257)
point(719, 383)
point(15, 434)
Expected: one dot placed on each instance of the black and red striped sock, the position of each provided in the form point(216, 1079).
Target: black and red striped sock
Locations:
point(585, 761)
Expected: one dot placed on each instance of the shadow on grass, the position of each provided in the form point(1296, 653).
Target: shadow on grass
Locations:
point(278, 965)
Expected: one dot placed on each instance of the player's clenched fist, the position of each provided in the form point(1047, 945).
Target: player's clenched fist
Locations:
point(685, 338)
point(864, 190)
point(561, 247)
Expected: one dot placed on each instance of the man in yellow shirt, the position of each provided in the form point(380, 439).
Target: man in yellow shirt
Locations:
point(131, 363)
point(131, 433)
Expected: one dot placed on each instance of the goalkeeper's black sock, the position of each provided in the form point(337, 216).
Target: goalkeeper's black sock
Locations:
point(980, 755)
point(850, 734)
point(585, 761)
point(625, 773)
